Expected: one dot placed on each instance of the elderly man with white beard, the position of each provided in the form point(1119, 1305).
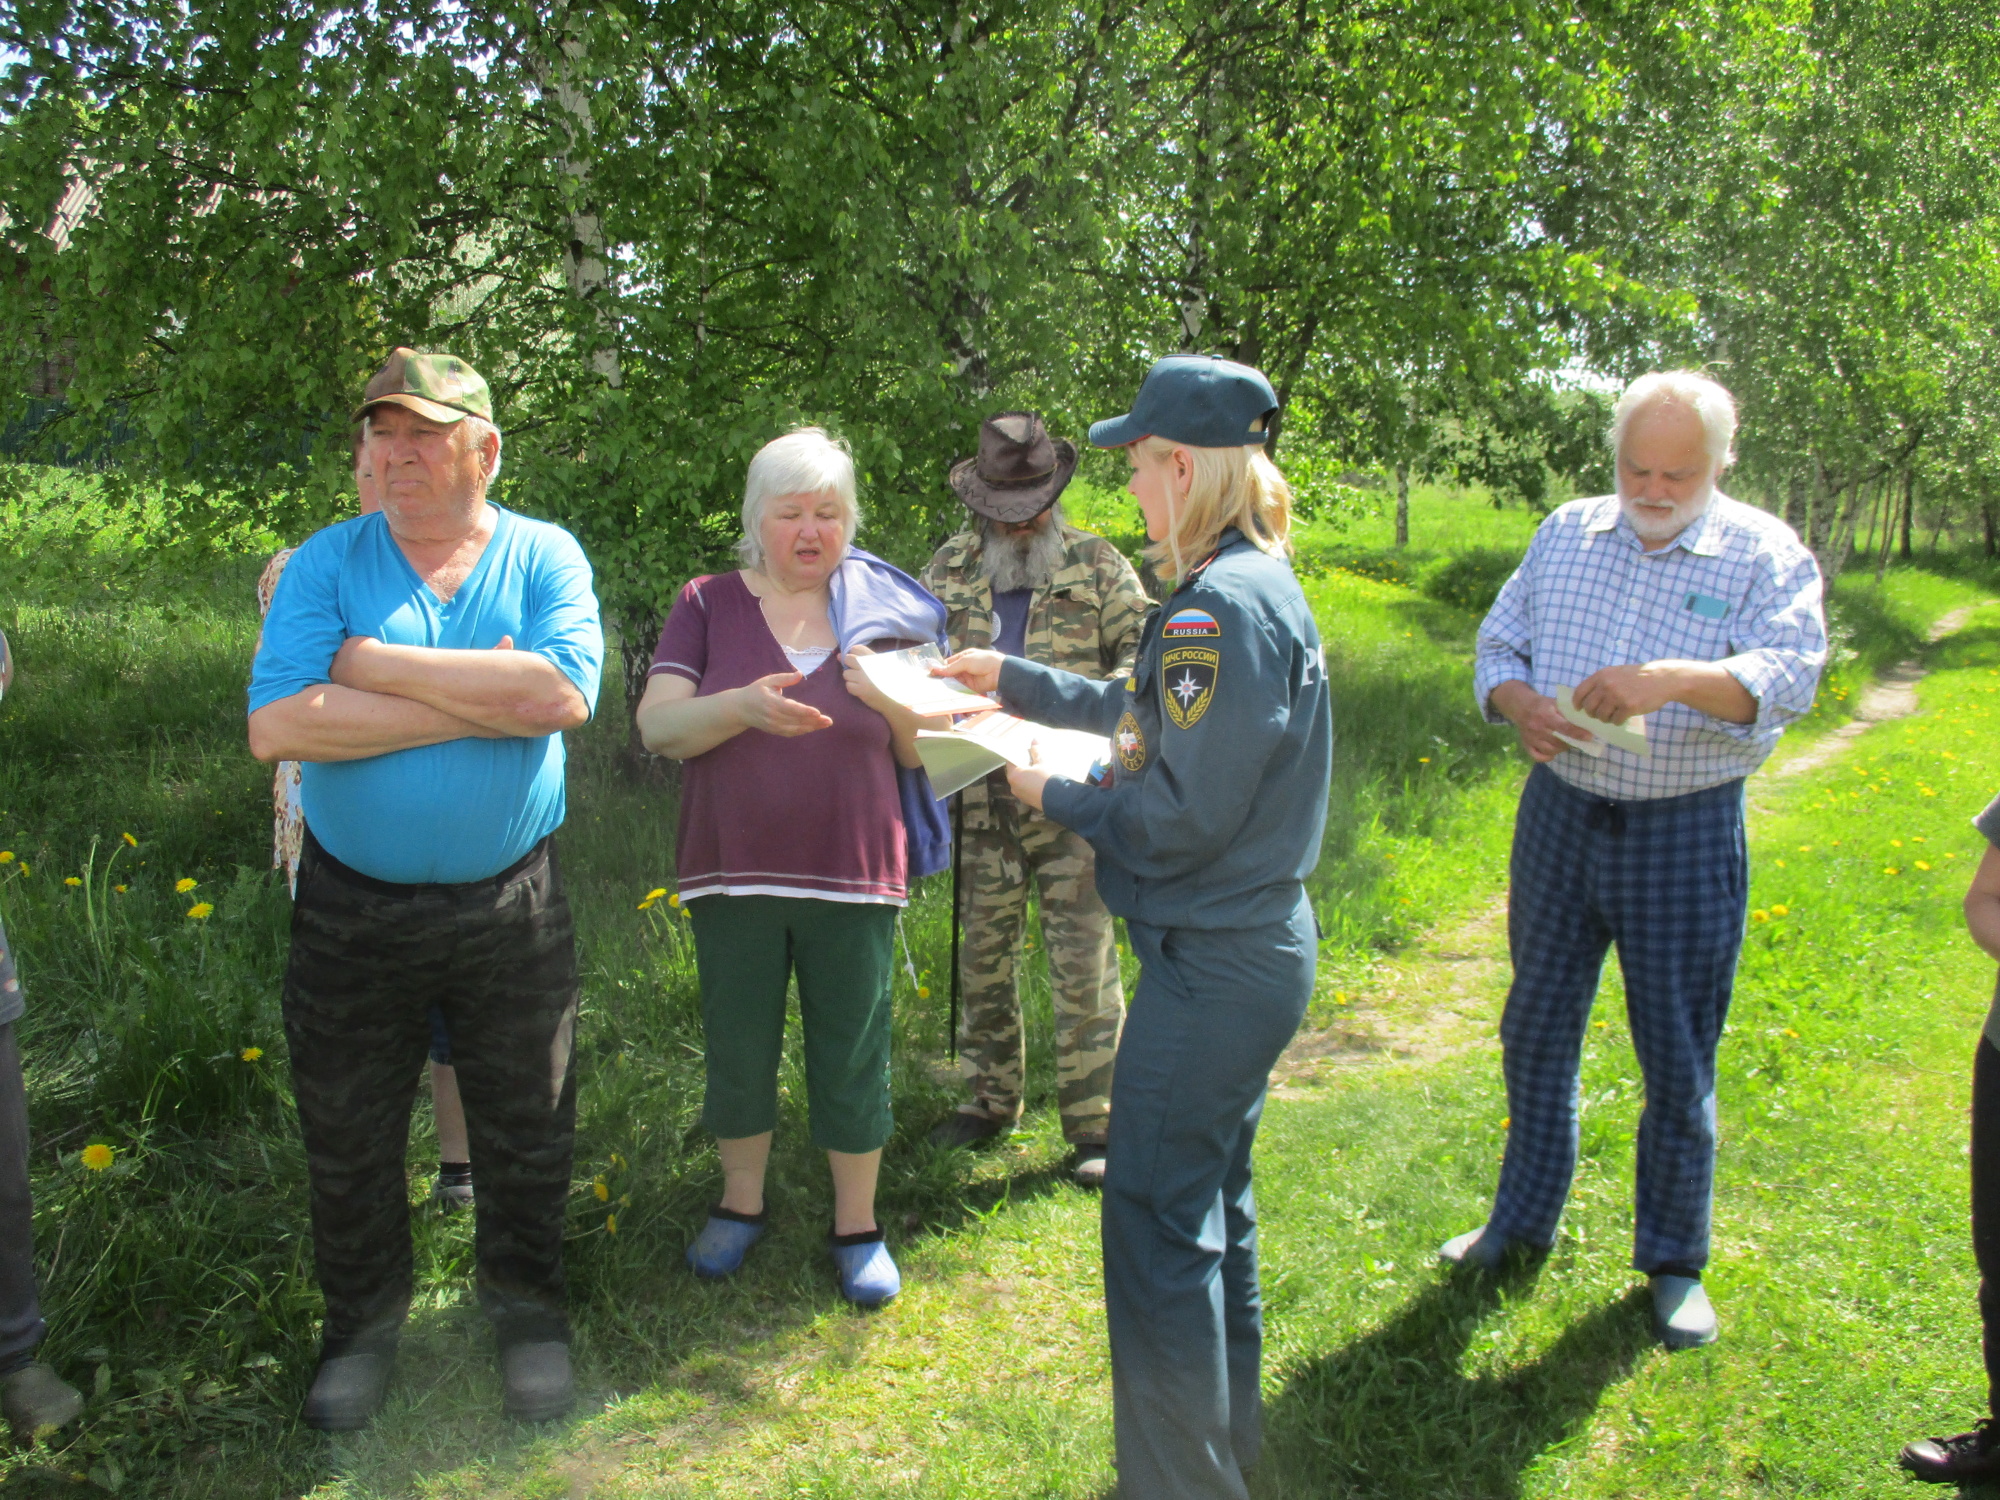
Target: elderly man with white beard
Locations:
point(1021, 580)
point(1671, 600)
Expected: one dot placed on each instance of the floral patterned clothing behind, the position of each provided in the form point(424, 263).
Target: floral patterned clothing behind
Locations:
point(288, 823)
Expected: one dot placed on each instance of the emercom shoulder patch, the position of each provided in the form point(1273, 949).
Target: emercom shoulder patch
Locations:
point(1130, 743)
point(1187, 682)
point(1190, 624)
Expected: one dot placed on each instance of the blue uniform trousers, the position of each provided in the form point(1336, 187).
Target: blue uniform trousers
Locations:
point(1212, 1012)
point(1667, 881)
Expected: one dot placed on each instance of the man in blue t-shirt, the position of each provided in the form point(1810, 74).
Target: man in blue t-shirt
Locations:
point(422, 663)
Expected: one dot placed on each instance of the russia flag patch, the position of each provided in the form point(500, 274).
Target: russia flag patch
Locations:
point(1189, 624)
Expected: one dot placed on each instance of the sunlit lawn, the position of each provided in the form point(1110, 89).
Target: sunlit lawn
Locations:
point(178, 1279)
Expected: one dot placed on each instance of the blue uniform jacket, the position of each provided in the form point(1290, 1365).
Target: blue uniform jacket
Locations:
point(1222, 746)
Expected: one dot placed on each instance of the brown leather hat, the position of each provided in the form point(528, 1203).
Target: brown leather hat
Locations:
point(1019, 472)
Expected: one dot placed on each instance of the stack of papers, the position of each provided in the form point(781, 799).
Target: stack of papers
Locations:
point(985, 739)
point(906, 677)
point(957, 757)
point(1629, 736)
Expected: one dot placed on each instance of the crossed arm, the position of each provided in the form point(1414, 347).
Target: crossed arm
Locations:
point(381, 698)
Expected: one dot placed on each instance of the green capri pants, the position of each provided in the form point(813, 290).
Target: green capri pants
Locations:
point(747, 948)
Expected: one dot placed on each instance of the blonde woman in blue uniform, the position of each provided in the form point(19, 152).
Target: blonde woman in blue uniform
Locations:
point(1222, 746)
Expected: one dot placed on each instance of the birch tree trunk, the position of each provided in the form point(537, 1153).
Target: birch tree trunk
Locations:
point(1890, 508)
point(1842, 547)
point(585, 254)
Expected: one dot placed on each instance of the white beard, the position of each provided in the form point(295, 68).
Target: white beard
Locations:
point(1022, 562)
point(1651, 527)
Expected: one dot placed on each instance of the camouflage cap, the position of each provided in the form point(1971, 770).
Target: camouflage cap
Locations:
point(441, 387)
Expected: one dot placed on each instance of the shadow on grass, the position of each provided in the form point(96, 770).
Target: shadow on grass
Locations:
point(1391, 1413)
point(942, 1202)
point(1972, 647)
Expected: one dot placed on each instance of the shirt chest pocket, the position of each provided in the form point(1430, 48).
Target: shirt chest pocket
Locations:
point(1698, 623)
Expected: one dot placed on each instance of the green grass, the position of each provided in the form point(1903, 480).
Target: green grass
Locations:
point(179, 1285)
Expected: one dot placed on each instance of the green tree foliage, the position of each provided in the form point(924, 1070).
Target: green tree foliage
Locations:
point(666, 231)
point(1834, 226)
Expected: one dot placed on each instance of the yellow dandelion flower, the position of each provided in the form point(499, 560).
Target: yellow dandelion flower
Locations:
point(24, 868)
point(1781, 864)
point(6, 856)
point(96, 1156)
point(617, 1161)
point(675, 900)
point(120, 889)
point(1423, 760)
point(71, 880)
point(251, 1054)
point(1923, 864)
point(201, 909)
point(654, 895)
point(1340, 997)
point(1891, 870)
point(1895, 843)
point(1949, 855)
point(602, 1189)
point(1791, 1033)
point(1506, 1122)
point(129, 840)
point(1760, 915)
point(1781, 911)
point(184, 885)
point(923, 992)
point(611, 1223)
point(647, 904)
point(1601, 1025)
point(1805, 848)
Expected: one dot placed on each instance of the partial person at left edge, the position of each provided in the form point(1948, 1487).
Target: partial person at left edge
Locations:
point(422, 663)
point(33, 1398)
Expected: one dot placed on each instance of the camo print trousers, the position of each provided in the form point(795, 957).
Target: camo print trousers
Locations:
point(1002, 848)
point(368, 960)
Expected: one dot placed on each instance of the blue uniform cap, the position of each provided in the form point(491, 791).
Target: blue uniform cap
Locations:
point(1202, 400)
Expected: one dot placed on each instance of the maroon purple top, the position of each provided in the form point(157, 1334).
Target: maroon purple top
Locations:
point(764, 815)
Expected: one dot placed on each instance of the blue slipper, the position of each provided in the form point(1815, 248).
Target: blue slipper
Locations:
point(723, 1242)
point(868, 1277)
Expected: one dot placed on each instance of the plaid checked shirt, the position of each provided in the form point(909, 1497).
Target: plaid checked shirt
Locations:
point(1737, 587)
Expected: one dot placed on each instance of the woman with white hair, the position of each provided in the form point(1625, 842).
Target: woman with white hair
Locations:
point(1222, 746)
point(793, 851)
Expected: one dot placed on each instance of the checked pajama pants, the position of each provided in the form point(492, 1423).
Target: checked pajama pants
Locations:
point(1667, 881)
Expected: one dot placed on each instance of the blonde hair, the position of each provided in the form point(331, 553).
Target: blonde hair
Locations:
point(1237, 487)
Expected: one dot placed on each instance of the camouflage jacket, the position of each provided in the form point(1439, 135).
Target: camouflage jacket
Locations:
point(1087, 619)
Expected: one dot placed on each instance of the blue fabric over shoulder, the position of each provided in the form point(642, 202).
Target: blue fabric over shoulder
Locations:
point(873, 600)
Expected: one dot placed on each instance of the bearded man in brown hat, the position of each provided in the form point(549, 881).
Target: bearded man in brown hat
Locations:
point(1020, 579)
